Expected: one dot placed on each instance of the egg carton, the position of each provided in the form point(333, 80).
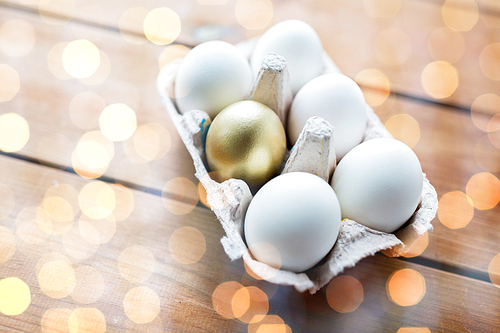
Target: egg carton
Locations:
point(311, 153)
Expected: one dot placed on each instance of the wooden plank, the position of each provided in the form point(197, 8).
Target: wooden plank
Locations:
point(353, 34)
point(143, 253)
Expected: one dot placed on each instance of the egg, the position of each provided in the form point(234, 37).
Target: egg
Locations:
point(379, 184)
point(337, 99)
point(212, 76)
point(297, 215)
point(299, 44)
point(246, 141)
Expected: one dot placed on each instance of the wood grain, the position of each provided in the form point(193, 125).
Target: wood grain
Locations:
point(450, 303)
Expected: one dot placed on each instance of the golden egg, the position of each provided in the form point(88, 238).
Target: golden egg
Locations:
point(246, 141)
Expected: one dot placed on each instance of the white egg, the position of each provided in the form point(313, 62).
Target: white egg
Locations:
point(299, 44)
point(298, 214)
point(212, 76)
point(379, 184)
point(337, 99)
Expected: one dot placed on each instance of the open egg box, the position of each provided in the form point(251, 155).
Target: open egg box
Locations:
point(230, 199)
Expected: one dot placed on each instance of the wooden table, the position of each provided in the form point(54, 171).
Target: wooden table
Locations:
point(99, 235)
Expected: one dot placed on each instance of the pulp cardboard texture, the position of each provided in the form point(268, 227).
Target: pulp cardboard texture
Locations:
point(230, 199)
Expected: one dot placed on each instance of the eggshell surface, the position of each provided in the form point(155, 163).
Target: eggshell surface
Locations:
point(337, 99)
point(379, 184)
point(299, 44)
point(212, 76)
point(296, 213)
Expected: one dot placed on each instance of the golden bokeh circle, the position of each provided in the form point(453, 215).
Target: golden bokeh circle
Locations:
point(487, 155)
point(418, 247)
point(406, 287)
point(89, 285)
point(56, 278)
point(162, 26)
point(80, 58)
point(125, 204)
point(344, 294)
point(460, 15)
point(55, 320)
point(180, 196)
point(484, 190)
point(170, 53)
point(269, 324)
point(66, 191)
point(222, 298)
point(15, 296)
point(14, 130)
point(377, 84)
point(446, 44)
point(439, 79)
point(8, 201)
point(483, 109)
point(17, 38)
point(54, 61)
point(393, 47)
point(187, 245)
point(404, 128)
point(97, 200)
point(152, 141)
point(250, 305)
point(254, 14)
point(86, 320)
point(97, 231)
point(494, 270)
point(136, 263)
point(414, 330)
point(489, 16)
point(382, 8)
point(118, 122)
point(7, 244)
point(76, 245)
point(489, 61)
point(141, 304)
point(50, 225)
point(455, 210)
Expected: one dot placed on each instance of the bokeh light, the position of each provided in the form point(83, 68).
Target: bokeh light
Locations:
point(446, 44)
point(52, 226)
point(136, 264)
point(89, 285)
point(489, 61)
point(222, 298)
point(455, 210)
point(8, 201)
point(487, 155)
point(162, 26)
point(180, 196)
point(15, 296)
point(269, 254)
point(118, 122)
point(406, 287)
point(80, 58)
point(14, 132)
point(269, 324)
point(250, 304)
point(9, 83)
point(414, 330)
point(125, 203)
point(17, 38)
point(57, 278)
point(56, 12)
point(7, 244)
point(484, 190)
point(393, 47)
point(483, 109)
point(97, 231)
point(405, 128)
point(460, 15)
point(56, 320)
point(254, 14)
point(152, 141)
point(379, 86)
point(344, 294)
point(76, 245)
point(141, 304)
point(494, 270)
point(187, 245)
point(418, 247)
point(382, 8)
point(493, 129)
point(95, 150)
point(101, 73)
point(86, 320)
point(97, 200)
point(131, 25)
point(28, 228)
point(54, 61)
point(170, 53)
point(439, 79)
